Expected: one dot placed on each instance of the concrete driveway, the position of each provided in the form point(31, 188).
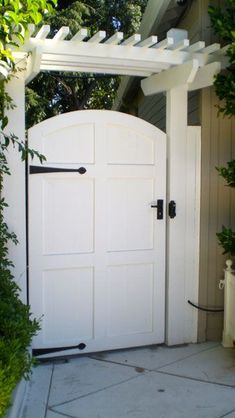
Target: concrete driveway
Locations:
point(191, 381)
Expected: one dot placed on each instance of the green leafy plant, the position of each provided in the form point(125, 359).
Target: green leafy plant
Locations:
point(16, 325)
point(222, 21)
point(228, 173)
point(227, 240)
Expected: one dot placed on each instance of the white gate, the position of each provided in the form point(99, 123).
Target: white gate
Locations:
point(96, 246)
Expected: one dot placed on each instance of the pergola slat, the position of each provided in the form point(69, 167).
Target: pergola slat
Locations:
point(80, 35)
point(132, 40)
point(211, 48)
point(31, 29)
point(164, 44)
point(98, 37)
point(115, 39)
point(196, 47)
point(179, 45)
point(62, 33)
point(152, 40)
point(116, 57)
point(43, 32)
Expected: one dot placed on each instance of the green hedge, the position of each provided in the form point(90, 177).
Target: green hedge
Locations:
point(16, 331)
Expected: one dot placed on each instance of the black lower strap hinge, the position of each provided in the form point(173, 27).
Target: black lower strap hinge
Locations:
point(41, 351)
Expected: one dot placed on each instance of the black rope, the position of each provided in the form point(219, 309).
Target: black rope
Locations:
point(201, 308)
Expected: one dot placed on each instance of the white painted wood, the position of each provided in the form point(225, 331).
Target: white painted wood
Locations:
point(229, 305)
point(43, 32)
point(166, 80)
point(96, 249)
point(62, 33)
point(177, 34)
point(205, 76)
point(33, 65)
point(31, 29)
point(80, 35)
point(132, 40)
point(152, 40)
point(192, 221)
point(115, 57)
point(223, 50)
point(165, 43)
point(179, 45)
point(211, 48)
point(98, 37)
point(115, 39)
point(196, 47)
point(100, 58)
point(14, 185)
point(176, 234)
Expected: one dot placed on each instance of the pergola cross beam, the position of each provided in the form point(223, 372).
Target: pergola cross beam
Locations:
point(118, 56)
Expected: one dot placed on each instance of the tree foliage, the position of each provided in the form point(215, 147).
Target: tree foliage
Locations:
point(53, 93)
point(223, 22)
point(14, 19)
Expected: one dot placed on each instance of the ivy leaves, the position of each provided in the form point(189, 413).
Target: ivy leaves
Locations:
point(14, 19)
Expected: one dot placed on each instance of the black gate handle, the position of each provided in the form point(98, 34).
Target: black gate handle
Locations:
point(159, 207)
point(34, 169)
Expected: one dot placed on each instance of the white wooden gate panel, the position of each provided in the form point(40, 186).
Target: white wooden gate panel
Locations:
point(96, 249)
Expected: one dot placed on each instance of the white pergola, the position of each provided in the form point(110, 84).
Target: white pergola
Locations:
point(193, 64)
point(172, 66)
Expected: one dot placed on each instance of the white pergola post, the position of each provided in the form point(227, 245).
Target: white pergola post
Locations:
point(14, 185)
point(176, 128)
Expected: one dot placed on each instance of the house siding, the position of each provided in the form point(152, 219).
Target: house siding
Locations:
point(153, 110)
point(217, 148)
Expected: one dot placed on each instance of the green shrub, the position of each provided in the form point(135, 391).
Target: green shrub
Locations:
point(16, 328)
point(227, 240)
point(228, 173)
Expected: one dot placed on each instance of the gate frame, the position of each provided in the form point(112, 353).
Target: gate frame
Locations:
point(193, 71)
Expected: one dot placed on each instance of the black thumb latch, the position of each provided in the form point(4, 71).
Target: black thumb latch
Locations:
point(172, 209)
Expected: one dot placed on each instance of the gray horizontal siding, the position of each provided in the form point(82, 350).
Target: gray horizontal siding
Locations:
point(193, 108)
point(153, 110)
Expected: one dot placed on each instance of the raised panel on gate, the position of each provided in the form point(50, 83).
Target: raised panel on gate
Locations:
point(66, 145)
point(127, 196)
point(128, 146)
point(130, 299)
point(68, 215)
point(68, 305)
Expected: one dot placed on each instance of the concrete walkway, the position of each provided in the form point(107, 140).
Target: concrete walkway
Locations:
point(193, 381)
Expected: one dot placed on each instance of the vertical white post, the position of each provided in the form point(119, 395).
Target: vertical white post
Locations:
point(229, 305)
point(14, 185)
point(177, 110)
